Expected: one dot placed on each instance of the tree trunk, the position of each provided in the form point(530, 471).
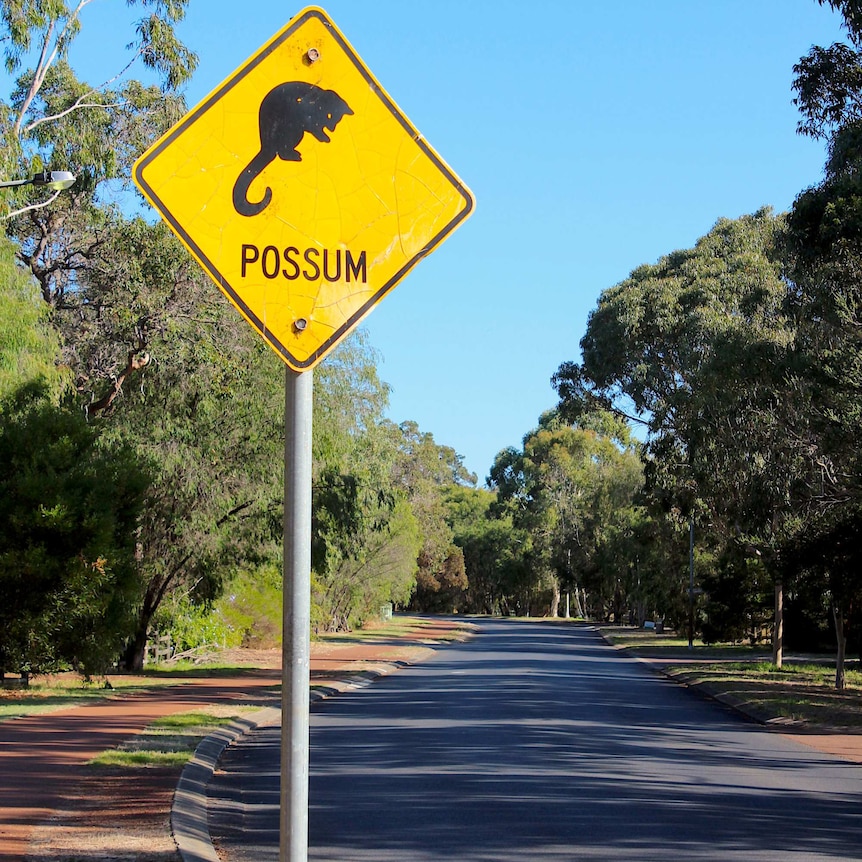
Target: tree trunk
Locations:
point(778, 626)
point(135, 652)
point(133, 657)
point(841, 637)
point(555, 600)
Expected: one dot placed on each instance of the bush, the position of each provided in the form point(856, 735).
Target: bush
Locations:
point(193, 626)
point(70, 504)
point(252, 607)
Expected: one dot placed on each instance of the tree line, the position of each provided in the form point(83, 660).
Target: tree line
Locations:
point(710, 427)
point(740, 360)
point(141, 421)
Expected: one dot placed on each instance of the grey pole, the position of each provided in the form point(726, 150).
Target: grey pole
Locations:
point(296, 648)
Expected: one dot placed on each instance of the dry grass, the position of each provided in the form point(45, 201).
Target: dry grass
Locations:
point(801, 692)
point(52, 693)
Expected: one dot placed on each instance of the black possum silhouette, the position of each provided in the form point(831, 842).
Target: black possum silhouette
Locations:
point(286, 114)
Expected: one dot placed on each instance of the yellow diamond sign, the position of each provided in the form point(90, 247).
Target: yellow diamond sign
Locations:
point(302, 189)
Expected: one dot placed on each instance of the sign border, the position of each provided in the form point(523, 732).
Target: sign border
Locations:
point(197, 112)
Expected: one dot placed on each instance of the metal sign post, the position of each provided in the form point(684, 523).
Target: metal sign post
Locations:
point(295, 650)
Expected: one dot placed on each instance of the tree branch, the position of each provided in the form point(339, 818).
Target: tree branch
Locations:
point(45, 203)
point(45, 62)
point(78, 105)
point(136, 361)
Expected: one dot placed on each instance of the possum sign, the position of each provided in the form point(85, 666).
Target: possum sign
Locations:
point(302, 189)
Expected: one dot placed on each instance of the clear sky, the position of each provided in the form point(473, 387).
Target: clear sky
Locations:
point(596, 136)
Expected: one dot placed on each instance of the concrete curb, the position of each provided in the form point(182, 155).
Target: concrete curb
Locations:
point(189, 823)
point(189, 820)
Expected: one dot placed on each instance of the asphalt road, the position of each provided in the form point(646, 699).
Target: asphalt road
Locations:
point(538, 742)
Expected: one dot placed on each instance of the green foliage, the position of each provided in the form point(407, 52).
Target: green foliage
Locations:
point(374, 567)
point(828, 81)
point(192, 626)
point(424, 471)
point(825, 243)
point(568, 489)
point(50, 27)
point(740, 604)
point(696, 348)
point(29, 346)
point(442, 591)
point(365, 535)
point(652, 340)
point(54, 120)
point(139, 325)
point(251, 608)
point(206, 409)
point(70, 502)
point(491, 546)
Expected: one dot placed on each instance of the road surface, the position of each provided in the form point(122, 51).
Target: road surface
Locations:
point(537, 741)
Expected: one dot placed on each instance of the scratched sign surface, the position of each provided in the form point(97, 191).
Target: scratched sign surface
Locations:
point(302, 189)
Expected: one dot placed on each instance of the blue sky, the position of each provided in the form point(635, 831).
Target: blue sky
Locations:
point(596, 136)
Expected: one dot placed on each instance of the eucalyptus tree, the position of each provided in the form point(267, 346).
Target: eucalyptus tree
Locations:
point(825, 245)
point(492, 548)
point(693, 349)
point(425, 471)
point(566, 488)
point(53, 119)
point(206, 409)
point(365, 534)
point(828, 81)
point(825, 299)
point(69, 503)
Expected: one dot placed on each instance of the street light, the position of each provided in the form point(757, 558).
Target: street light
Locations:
point(46, 179)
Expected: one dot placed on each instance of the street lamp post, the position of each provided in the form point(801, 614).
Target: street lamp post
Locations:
point(691, 583)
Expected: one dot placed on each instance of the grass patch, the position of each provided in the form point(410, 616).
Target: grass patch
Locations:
point(170, 741)
point(796, 675)
point(142, 759)
point(672, 645)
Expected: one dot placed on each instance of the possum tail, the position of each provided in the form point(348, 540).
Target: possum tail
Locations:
point(241, 203)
